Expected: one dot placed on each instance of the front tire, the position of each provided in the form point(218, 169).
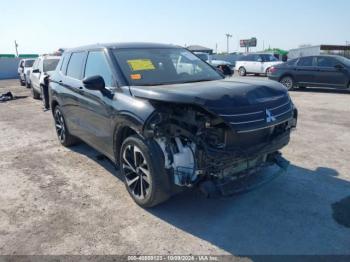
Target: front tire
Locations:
point(35, 94)
point(288, 82)
point(242, 71)
point(65, 138)
point(144, 174)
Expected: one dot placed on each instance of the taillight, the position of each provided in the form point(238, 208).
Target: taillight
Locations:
point(272, 70)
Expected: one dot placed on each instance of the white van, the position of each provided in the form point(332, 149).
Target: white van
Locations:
point(256, 64)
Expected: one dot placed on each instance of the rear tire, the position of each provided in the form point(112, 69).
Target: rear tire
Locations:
point(65, 138)
point(27, 83)
point(142, 167)
point(288, 82)
point(242, 71)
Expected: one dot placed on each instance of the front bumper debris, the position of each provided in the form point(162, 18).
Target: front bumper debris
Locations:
point(248, 180)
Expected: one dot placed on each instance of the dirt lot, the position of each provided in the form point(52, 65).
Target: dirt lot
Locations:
point(55, 200)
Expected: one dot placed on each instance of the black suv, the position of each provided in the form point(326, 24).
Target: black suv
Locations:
point(168, 119)
point(319, 71)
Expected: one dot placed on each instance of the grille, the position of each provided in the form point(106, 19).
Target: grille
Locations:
point(257, 117)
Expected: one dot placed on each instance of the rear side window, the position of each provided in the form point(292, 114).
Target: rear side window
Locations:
point(268, 58)
point(28, 63)
point(75, 65)
point(326, 62)
point(291, 62)
point(50, 64)
point(245, 58)
point(249, 58)
point(97, 64)
point(36, 64)
point(305, 61)
point(64, 63)
point(257, 58)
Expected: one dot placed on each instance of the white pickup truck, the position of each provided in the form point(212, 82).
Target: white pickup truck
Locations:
point(256, 64)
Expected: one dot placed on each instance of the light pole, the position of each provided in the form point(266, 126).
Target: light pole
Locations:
point(16, 47)
point(228, 42)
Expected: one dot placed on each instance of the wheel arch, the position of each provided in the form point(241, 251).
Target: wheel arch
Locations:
point(126, 126)
point(53, 105)
point(285, 75)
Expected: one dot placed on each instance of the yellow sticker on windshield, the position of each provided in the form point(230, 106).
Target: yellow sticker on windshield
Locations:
point(141, 64)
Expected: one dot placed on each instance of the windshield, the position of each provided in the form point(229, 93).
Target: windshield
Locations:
point(50, 64)
point(344, 60)
point(29, 63)
point(268, 58)
point(160, 66)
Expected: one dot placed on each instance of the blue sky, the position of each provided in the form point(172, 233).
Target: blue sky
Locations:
point(44, 26)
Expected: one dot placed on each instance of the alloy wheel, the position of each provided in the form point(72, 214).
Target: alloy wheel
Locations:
point(60, 127)
point(242, 71)
point(136, 171)
point(287, 82)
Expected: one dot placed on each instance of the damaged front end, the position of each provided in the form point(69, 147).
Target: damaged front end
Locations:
point(221, 152)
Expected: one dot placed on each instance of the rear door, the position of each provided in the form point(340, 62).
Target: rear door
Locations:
point(254, 65)
point(328, 75)
point(94, 106)
point(305, 70)
point(73, 85)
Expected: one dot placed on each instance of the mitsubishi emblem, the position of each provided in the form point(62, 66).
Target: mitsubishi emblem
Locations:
point(269, 117)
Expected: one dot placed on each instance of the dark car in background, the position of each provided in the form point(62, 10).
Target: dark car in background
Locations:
point(168, 119)
point(314, 71)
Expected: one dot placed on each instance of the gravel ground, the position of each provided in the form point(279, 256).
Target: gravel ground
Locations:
point(70, 201)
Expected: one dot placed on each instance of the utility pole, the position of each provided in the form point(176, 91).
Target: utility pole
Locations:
point(216, 48)
point(16, 47)
point(228, 42)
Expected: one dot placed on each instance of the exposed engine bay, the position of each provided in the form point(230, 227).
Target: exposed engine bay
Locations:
point(199, 146)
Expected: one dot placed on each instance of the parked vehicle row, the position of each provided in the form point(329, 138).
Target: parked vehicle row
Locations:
point(34, 74)
point(168, 119)
point(313, 71)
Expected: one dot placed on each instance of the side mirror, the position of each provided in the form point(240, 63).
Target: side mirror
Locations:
point(260, 60)
point(339, 67)
point(94, 83)
point(36, 71)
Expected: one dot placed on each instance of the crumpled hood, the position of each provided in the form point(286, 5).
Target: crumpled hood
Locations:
point(223, 94)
